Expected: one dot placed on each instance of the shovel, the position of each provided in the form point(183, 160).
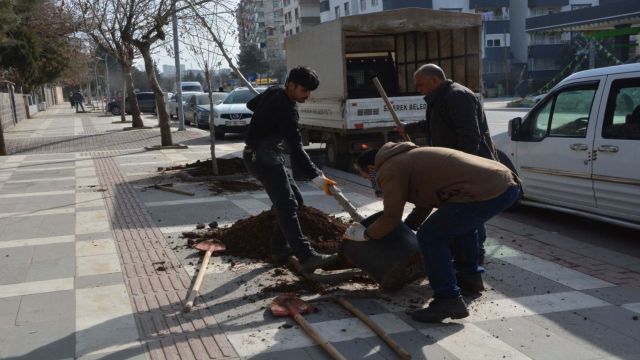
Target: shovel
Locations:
point(209, 247)
point(291, 305)
point(346, 204)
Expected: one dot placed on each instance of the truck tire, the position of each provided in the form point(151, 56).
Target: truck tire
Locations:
point(115, 110)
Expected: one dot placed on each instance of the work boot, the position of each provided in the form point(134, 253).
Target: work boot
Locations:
point(470, 285)
point(318, 261)
point(440, 309)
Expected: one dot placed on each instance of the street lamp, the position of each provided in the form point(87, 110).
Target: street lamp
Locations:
point(106, 67)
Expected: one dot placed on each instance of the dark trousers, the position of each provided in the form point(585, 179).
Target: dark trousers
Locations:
point(459, 221)
point(268, 168)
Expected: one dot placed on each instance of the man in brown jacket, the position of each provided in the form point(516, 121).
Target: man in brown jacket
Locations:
point(468, 190)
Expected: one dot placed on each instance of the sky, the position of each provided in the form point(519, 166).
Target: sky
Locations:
point(228, 27)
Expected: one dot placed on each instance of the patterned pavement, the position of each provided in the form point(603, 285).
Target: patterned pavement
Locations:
point(93, 267)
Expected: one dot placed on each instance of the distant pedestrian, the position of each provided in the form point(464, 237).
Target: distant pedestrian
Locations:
point(78, 99)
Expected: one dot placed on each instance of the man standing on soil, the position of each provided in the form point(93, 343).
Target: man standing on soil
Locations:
point(455, 119)
point(467, 190)
point(274, 124)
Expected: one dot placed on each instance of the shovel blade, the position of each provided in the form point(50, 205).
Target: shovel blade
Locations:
point(287, 304)
point(214, 247)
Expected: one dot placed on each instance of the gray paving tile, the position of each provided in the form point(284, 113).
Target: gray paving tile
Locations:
point(34, 203)
point(135, 353)
point(9, 311)
point(44, 174)
point(591, 330)
point(41, 308)
point(16, 255)
point(537, 341)
point(293, 354)
point(29, 227)
point(512, 281)
point(13, 272)
point(94, 236)
point(90, 281)
point(50, 340)
point(54, 251)
point(421, 346)
point(618, 318)
point(608, 256)
point(200, 212)
point(49, 157)
point(360, 349)
point(616, 295)
point(33, 187)
point(55, 268)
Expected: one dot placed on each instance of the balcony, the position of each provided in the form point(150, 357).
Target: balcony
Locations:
point(609, 15)
point(546, 3)
point(488, 4)
point(496, 27)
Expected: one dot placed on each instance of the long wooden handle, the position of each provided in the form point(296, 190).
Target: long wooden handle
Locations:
point(383, 94)
point(196, 286)
point(324, 343)
point(346, 204)
point(373, 326)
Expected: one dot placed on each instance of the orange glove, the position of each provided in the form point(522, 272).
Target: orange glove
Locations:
point(324, 183)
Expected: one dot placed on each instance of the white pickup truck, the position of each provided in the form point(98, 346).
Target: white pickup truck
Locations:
point(578, 149)
point(346, 112)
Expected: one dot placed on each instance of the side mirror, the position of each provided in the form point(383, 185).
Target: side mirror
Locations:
point(515, 128)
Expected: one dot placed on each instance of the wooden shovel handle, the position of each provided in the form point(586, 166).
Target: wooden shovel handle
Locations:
point(196, 286)
point(383, 94)
point(346, 204)
point(324, 343)
point(373, 326)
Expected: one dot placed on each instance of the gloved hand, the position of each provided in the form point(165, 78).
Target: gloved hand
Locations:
point(355, 232)
point(324, 183)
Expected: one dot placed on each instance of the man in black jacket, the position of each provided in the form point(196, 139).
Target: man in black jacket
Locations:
point(274, 124)
point(455, 119)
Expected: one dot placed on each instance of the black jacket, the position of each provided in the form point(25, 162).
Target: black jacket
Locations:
point(455, 119)
point(275, 123)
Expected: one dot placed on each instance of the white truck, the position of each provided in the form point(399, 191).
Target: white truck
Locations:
point(346, 112)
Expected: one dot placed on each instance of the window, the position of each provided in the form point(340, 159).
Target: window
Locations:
point(297, 16)
point(337, 9)
point(346, 9)
point(363, 5)
point(579, 6)
point(451, 9)
point(493, 42)
point(374, 3)
point(622, 118)
point(566, 114)
point(297, 29)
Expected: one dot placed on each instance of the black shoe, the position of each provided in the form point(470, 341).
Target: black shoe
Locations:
point(470, 285)
point(442, 308)
point(318, 261)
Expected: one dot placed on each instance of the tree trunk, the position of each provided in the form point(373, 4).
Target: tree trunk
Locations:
point(161, 109)
point(214, 162)
point(136, 119)
point(3, 148)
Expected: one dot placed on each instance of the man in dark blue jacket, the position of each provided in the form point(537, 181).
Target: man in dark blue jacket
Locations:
point(273, 126)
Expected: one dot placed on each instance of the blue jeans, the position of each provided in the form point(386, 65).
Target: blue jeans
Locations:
point(268, 168)
point(459, 221)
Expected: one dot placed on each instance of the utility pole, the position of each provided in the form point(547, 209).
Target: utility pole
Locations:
point(176, 50)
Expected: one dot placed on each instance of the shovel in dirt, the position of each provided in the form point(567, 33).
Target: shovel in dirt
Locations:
point(291, 305)
point(209, 247)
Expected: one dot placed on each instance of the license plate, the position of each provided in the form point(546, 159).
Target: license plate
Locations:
point(235, 123)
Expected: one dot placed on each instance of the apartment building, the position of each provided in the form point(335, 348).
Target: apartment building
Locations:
point(299, 14)
point(261, 23)
point(535, 33)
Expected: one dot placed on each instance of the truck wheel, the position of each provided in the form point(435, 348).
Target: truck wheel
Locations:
point(335, 158)
point(115, 110)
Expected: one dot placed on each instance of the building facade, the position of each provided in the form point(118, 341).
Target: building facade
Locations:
point(522, 39)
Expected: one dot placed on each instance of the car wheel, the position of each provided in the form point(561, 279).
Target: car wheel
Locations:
point(115, 110)
point(219, 135)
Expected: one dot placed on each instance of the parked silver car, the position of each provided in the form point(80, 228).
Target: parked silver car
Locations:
point(196, 112)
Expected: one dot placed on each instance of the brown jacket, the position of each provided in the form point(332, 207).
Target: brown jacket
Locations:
point(429, 177)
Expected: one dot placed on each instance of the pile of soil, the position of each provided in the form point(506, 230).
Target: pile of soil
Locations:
point(232, 166)
point(251, 237)
point(220, 186)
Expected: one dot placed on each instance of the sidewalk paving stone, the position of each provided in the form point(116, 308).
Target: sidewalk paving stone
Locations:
point(112, 269)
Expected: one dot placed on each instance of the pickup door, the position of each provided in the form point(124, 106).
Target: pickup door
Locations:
point(616, 168)
point(554, 155)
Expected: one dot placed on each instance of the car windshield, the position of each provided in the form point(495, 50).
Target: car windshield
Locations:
point(190, 88)
point(240, 96)
point(203, 99)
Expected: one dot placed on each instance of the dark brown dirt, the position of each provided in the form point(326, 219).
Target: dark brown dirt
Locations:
point(251, 237)
point(231, 166)
point(220, 186)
